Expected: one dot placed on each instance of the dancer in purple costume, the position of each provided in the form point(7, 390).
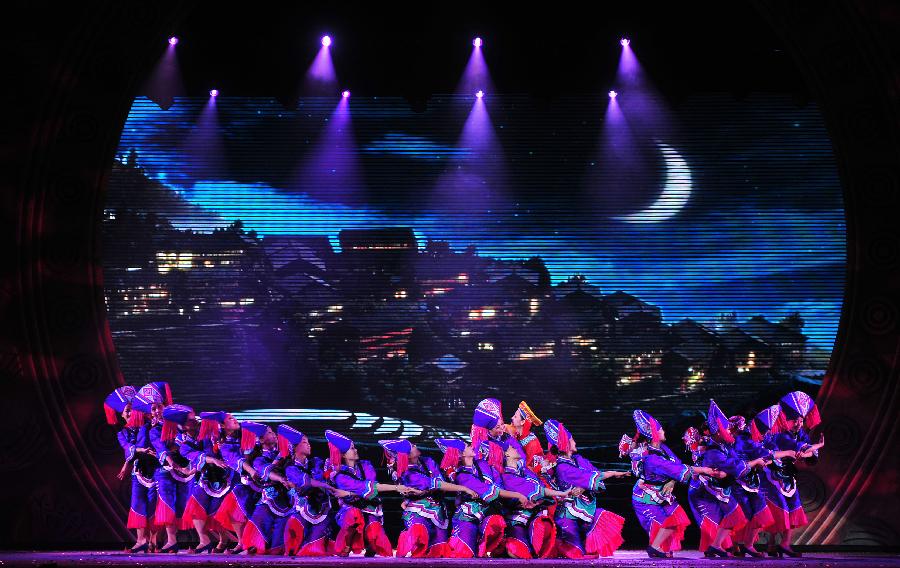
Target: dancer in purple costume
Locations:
point(715, 509)
point(478, 526)
point(583, 528)
point(530, 530)
point(264, 531)
point(211, 484)
point(360, 517)
point(657, 470)
point(308, 531)
point(427, 525)
point(797, 416)
point(139, 455)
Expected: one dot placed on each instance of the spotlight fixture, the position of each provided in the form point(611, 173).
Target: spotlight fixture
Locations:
point(477, 42)
point(479, 94)
point(346, 94)
point(326, 41)
point(624, 42)
point(173, 40)
point(214, 93)
point(613, 94)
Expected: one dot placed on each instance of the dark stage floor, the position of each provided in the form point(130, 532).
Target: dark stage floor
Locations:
point(622, 558)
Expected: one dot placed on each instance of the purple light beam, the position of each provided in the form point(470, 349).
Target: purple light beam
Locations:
point(165, 83)
point(476, 180)
point(331, 171)
point(321, 78)
point(476, 75)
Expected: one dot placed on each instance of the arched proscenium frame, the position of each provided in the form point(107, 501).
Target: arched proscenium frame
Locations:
point(57, 359)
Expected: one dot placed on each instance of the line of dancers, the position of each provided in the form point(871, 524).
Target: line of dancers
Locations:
point(246, 488)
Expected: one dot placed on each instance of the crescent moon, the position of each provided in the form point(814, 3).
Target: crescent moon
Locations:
point(676, 191)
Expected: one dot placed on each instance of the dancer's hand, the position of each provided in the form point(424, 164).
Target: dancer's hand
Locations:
point(340, 493)
point(121, 474)
point(576, 492)
point(471, 493)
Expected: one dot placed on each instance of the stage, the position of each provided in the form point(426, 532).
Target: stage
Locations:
point(622, 558)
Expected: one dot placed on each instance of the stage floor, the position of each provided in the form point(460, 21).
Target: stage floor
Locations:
point(622, 558)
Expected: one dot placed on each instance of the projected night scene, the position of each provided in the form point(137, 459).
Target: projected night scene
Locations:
point(351, 262)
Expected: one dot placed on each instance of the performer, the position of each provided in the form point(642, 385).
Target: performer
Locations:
point(264, 531)
point(212, 482)
point(798, 415)
point(657, 469)
point(520, 429)
point(487, 422)
point(747, 489)
point(478, 526)
point(308, 529)
point(531, 532)
point(584, 529)
point(716, 510)
point(173, 478)
point(239, 504)
point(424, 514)
point(359, 517)
point(135, 443)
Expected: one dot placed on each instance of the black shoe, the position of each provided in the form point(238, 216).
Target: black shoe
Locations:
point(789, 551)
point(169, 549)
point(655, 552)
point(713, 552)
point(748, 550)
point(137, 549)
point(207, 548)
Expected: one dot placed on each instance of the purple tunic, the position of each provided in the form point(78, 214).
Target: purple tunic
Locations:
point(312, 506)
point(428, 510)
point(143, 484)
point(211, 483)
point(711, 499)
point(471, 516)
point(577, 518)
point(780, 483)
point(242, 489)
point(748, 489)
point(173, 488)
point(265, 528)
point(519, 520)
point(361, 481)
point(654, 468)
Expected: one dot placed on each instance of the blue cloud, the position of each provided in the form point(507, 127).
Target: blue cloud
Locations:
point(415, 147)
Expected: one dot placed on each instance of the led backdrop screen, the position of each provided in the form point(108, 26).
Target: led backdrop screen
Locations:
point(354, 265)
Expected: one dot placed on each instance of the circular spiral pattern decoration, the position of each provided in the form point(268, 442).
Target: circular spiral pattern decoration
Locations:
point(82, 374)
point(812, 490)
point(25, 442)
point(67, 188)
point(879, 316)
point(865, 376)
point(80, 127)
point(68, 315)
point(842, 436)
point(101, 437)
point(884, 252)
point(880, 186)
